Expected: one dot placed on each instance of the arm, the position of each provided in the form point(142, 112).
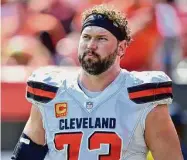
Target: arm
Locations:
point(34, 127)
point(161, 136)
point(31, 144)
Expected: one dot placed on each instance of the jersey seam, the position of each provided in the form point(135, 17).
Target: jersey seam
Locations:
point(141, 124)
point(138, 121)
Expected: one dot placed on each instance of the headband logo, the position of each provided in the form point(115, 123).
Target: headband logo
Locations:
point(115, 24)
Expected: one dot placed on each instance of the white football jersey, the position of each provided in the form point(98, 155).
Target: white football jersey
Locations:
point(109, 126)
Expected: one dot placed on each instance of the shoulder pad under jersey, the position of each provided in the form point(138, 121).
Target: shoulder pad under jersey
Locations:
point(43, 84)
point(150, 86)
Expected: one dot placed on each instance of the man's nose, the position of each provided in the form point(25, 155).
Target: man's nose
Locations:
point(92, 44)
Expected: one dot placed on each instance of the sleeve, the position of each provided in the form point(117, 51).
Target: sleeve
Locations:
point(151, 87)
point(40, 88)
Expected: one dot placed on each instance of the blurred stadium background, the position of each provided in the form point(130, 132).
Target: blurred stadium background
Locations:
point(37, 33)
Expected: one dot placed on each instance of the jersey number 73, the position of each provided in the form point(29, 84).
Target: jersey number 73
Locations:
point(73, 141)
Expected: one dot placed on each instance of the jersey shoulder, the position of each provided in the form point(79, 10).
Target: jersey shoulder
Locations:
point(149, 86)
point(44, 83)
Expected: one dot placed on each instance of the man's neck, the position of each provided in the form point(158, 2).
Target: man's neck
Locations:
point(99, 82)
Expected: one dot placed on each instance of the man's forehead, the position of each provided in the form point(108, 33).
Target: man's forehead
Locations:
point(95, 30)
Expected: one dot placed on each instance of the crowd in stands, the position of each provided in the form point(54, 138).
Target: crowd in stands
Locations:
point(38, 33)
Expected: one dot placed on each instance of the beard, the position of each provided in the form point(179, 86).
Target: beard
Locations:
point(96, 65)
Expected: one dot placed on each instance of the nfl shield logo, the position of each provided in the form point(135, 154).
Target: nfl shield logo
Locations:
point(89, 105)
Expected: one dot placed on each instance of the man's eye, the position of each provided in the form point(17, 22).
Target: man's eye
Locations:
point(86, 37)
point(101, 38)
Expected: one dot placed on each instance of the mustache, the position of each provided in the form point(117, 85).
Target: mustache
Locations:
point(90, 51)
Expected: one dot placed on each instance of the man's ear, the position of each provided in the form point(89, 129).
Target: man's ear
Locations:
point(122, 45)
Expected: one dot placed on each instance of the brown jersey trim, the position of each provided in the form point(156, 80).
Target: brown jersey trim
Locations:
point(150, 92)
point(41, 92)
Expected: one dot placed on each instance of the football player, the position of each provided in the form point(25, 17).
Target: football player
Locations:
point(103, 112)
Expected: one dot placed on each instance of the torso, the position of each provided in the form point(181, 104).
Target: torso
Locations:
point(107, 127)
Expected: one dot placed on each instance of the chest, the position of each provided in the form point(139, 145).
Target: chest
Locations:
point(90, 126)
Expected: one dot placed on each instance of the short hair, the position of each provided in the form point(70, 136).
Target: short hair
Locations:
point(113, 14)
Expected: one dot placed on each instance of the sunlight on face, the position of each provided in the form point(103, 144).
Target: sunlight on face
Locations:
point(97, 50)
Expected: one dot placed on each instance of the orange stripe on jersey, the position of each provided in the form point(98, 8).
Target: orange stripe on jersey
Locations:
point(39, 92)
point(150, 92)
